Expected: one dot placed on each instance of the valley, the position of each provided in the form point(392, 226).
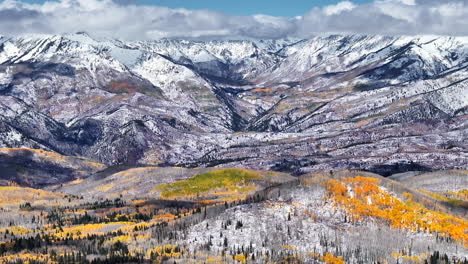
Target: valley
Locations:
point(232, 216)
point(333, 149)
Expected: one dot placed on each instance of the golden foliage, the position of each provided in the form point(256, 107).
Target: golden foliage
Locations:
point(330, 259)
point(454, 198)
point(362, 197)
point(10, 195)
point(129, 227)
point(105, 188)
point(167, 251)
point(362, 123)
point(165, 217)
point(463, 194)
point(26, 258)
point(406, 258)
point(262, 90)
point(238, 181)
point(240, 258)
point(123, 239)
point(53, 157)
point(216, 259)
point(81, 231)
point(289, 247)
point(16, 230)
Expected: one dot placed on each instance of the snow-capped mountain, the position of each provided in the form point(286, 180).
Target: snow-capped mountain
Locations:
point(329, 102)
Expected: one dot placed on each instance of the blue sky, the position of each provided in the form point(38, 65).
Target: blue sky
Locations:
point(242, 7)
point(250, 7)
point(147, 20)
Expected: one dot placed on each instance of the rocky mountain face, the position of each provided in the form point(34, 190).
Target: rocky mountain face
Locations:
point(376, 103)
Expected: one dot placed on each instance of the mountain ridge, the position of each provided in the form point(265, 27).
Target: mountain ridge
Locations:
point(326, 103)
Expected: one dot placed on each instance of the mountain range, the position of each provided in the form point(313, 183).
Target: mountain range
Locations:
point(383, 104)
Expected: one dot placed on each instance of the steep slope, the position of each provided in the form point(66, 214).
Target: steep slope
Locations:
point(378, 103)
point(340, 219)
point(32, 167)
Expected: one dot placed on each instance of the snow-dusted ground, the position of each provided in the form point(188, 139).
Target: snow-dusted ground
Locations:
point(314, 225)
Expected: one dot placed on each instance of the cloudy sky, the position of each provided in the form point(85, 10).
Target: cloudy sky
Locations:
point(154, 19)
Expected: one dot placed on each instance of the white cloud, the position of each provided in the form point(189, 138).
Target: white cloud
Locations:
point(338, 8)
point(392, 17)
point(109, 19)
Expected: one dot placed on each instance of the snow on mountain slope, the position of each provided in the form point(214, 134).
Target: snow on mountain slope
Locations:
point(78, 50)
point(228, 59)
point(169, 76)
point(397, 59)
point(198, 103)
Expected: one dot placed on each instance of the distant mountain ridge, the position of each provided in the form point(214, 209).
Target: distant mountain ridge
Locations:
point(385, 104)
